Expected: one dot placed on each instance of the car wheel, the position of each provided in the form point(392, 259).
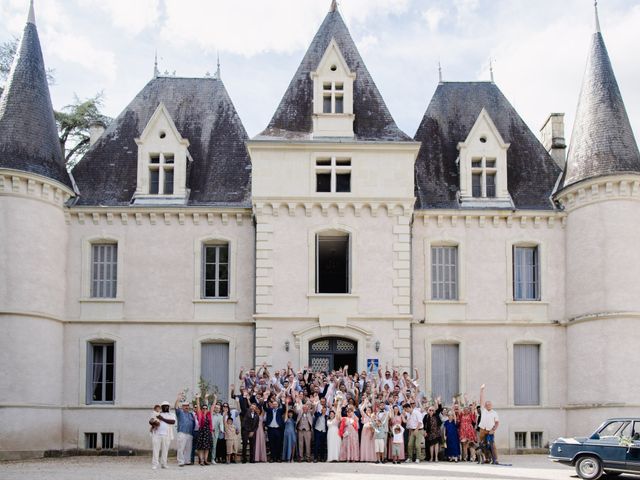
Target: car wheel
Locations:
point(589, 467)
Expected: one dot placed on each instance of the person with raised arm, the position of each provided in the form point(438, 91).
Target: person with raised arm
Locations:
point(349, 448)
point(289, 443)
point(489, 423)
point(433, 434)
point(204, 440)
point(186, 425)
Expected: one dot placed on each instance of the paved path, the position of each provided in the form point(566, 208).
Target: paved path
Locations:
point(534, 467)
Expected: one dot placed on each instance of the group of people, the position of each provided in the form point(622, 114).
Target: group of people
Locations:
point(288, 415)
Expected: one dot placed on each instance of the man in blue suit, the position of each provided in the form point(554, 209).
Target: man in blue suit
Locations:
point(275, 427)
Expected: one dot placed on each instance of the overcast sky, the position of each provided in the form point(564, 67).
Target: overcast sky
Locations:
point(539, 48)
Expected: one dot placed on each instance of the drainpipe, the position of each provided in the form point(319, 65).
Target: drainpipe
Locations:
point(411, 295)
point(255, 283)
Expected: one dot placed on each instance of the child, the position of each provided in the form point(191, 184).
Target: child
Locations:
point(153, 420)
point(398, 440)
point(231, 439)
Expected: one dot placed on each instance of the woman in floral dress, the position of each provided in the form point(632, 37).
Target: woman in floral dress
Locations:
point(468, 438)
point(350, 449)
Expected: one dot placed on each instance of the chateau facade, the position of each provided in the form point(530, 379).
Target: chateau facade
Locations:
point(179, 248)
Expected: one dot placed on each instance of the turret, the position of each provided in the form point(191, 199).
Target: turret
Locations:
point(34, 185)
point(600, 190)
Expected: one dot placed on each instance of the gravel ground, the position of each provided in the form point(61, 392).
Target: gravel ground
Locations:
point(139, 468)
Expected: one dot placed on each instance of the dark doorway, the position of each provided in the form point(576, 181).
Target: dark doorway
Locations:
point(332, 263)
point(332, 353)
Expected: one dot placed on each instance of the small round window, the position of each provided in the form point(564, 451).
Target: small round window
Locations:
point(334, 68)
point(163, 134)
point(483, 139)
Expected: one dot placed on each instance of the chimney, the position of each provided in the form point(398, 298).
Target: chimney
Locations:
point(96, 129)
point(552, 136)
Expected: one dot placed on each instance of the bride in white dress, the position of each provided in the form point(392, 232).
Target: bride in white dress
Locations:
point(333, 436)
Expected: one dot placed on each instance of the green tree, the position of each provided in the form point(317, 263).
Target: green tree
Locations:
point(74, 122)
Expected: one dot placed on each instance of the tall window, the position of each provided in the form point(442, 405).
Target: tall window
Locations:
point(100, 373)
point(526, 369)
point(161, 168)
point(445, 376)
point(104, 270)
point(526, 273)
point(333, 97)
point(333, 175)
point(444, 273)
point(332, 263)
point(483, 177)
point(215, 268)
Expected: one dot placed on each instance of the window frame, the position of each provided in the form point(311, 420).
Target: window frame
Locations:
point(162, 167)
point(203, 268)
point(333, 233)
point(97, 284)
point(455, 285)
point(484, 171)
point(89, 367)
point(537, 270)
point(334, 169)
point(332, 93)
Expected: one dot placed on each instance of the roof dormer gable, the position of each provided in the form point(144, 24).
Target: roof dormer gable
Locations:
point(333, 95)
point(162, 161)
point(483, 166)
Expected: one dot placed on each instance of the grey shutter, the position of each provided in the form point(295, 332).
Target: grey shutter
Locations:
point(444, 273)
point(445, 380)
point(526, 359)
point(214, 367)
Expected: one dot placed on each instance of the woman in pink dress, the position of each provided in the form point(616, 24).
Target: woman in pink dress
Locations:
point(261, 442)
point(467, 431)
point(368, 440)
point(395, 419)
point(349, 450)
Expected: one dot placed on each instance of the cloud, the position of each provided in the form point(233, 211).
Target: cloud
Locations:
point(132, 16)
point(433, 17)
point(275, 27)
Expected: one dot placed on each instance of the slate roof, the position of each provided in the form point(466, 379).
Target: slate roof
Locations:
point(293, 118)
point(28, 132)
point(204, 114)
point(602, 142)
point(454, 109)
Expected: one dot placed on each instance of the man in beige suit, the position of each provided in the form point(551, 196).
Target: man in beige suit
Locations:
point(304, 425)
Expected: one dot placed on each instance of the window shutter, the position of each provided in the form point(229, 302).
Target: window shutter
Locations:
point(445, 380)
point(214, 367)
point(526, 359)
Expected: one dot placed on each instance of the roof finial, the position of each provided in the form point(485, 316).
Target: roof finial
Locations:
point(156, 72)
point(439, 72)
point(491, 69)
point(597, 18)
point(334, 6)
point(218, 76)
point(32, 16)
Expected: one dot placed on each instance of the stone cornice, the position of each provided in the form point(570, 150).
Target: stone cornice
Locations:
point(391, 206)
point(600, 189)
point(590, 317)
point(346, 145)
point(17, 183)
point(494, 218)
point(158, 216)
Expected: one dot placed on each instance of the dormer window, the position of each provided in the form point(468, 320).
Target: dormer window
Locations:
point(483, 177)
point(333, 95)
point(161, 174)
point(483, 166)
point(162, 162)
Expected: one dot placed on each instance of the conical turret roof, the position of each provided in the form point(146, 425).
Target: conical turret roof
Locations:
point(294, 117)
point(28, 134)
point(602, 142)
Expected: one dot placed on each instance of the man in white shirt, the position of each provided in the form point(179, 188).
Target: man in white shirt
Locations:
point(489, 423)
point(415, 428)
point(161, 436)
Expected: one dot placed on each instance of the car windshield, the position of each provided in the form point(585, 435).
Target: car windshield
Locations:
point(615, 429)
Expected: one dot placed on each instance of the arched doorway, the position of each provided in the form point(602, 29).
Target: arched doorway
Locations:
point(333, 353)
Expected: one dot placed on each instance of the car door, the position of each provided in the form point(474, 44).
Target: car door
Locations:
point(606, 444)
point(633, 451)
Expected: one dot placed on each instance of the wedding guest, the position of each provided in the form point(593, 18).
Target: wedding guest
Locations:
point(261, 443)
point(289, 443)
point(186, 424)
point(349, 448)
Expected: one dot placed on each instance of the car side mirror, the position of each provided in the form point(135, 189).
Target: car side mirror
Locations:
point(595, 436)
